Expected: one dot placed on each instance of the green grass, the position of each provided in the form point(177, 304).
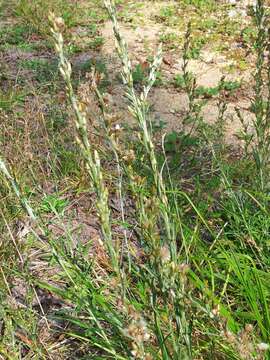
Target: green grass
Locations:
point(11, 98)
point(15, 34)
point(43, 70)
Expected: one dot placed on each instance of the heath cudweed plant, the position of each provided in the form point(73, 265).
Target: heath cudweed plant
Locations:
point(177, 274)
point(139, 109)
point(90, 155)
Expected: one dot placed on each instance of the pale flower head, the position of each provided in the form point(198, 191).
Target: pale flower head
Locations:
point(263, 346)
point(232, 13)
point(165, 254)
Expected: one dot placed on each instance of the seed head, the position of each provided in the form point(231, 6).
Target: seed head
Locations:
point(165, 254)
point(263, 346)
